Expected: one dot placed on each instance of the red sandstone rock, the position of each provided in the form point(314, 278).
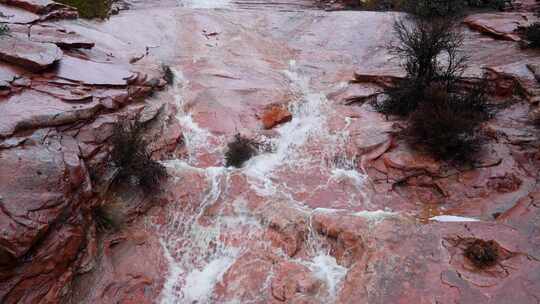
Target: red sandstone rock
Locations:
point(31, 109)
point(31, 55)
point(94, 73)
point(500, 25)
point(274, 116)
point(59, 36)
point(35, 6)
point(14, 15)
point(294, 281)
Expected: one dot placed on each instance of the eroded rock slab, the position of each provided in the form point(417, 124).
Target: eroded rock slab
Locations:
point(500, 25)
point(61, 37)
point(33, 56)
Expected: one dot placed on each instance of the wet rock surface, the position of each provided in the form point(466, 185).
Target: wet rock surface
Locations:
point(333, 209)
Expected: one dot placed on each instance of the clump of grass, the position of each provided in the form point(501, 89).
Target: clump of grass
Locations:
point(482, 254)
point(131, 158)
point(240, 150)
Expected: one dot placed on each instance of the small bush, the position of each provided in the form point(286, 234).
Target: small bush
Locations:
point(168, 74)
point(240, 150)
point(420, 44)
point(446, 123)
point(4, 29)
point(133, 161)
point(532, 35)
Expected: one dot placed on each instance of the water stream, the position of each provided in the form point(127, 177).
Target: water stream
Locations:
point(194, 243)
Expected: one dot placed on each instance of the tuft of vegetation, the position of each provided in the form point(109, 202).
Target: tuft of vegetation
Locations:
point(4, 29)
point(104, 219)
point(240, 150)
point(131, 158)
point(531, 33)
point(482, 254)
point(168, 74)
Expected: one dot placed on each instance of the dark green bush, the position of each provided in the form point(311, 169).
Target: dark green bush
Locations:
point(90, 8)
point(532, 35)
point(131, 158)
point(240, 150)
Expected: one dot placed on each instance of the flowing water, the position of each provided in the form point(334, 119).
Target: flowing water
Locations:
point(194, 248)
point(202, 239)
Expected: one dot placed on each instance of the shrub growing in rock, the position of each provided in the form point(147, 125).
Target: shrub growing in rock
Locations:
point(420, 44)
point(240, 150)
point(168, 74)
point(443, 114)
point(446, 123)
point(131, 158)
point(532, 34)
point(4, 29)
point(104, 220)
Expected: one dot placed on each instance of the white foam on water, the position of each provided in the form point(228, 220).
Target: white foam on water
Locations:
point(309, 120)
point(195, 137)
point(326, 269)
point(200, 283)
point(452, 218)
point(169, 293)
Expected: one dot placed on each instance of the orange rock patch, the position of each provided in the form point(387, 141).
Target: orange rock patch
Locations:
point(274, 116)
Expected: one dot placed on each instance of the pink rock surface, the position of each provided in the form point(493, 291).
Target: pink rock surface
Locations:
point(30, 55)
point(61, 37)
point(502, 25)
